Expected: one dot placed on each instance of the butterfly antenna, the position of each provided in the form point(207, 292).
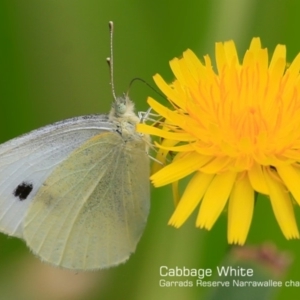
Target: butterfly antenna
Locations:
point(145, 82)
point(110, 60)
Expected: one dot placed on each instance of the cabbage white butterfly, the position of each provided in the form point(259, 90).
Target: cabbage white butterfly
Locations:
point(77, 191)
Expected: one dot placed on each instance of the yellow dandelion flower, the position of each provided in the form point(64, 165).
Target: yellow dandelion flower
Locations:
point(237, 131)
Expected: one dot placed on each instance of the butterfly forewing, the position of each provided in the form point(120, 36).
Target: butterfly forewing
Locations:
point(26, 162)
point(92, 209)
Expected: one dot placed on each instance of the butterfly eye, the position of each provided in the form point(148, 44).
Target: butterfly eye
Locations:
point(120, 106)
point(23, 190)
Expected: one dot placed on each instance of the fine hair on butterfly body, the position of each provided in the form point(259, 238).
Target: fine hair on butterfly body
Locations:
point(78, 191)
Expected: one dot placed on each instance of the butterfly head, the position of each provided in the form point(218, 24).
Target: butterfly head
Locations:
point(123, 110)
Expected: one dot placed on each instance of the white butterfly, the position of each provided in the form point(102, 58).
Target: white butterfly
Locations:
point(77, 191)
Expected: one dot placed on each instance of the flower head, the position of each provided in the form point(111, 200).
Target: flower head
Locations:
point(237, 131)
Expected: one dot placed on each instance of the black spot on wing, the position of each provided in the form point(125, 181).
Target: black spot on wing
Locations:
point(23, 190)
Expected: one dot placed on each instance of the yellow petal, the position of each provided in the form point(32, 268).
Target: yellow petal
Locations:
point(172, 117)
point(216, 165)
point(282, 206)
point(292, 72)
point(220, 57)
point(161, 155)
point(194, 64)
point(230, 51)
point(182, 73)
point(279, 53)
point(144, 128)
point(257, 179)
point(178, 169)
point(160, 109)
point(191, 198)
point(255, 45)
point(215, 199)
point(291, 178)
point(168, 91)
point(181, 148)
point(240, 211)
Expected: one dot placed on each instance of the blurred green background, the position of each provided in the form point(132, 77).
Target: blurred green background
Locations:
point(52, 67)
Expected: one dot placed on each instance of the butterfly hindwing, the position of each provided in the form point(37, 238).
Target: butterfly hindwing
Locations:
point(92, 209)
